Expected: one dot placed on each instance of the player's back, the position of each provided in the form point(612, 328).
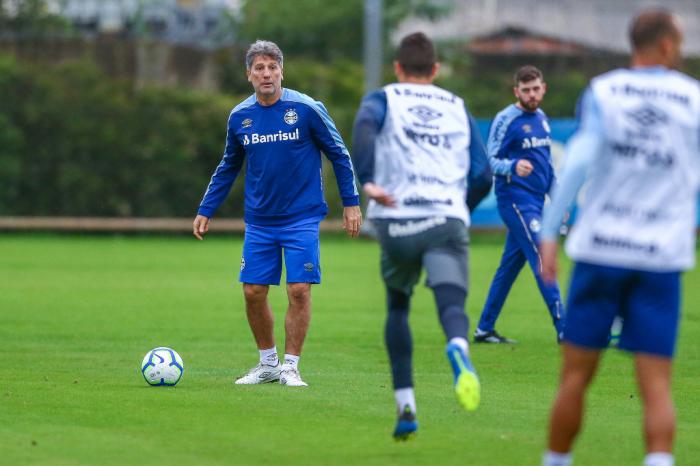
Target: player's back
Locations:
point(422, 153)
point(639, 208)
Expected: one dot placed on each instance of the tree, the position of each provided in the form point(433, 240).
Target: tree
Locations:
point(321, 29)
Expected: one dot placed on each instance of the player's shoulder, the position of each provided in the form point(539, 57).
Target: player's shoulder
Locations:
point(290, 95)
point(684, 79)
point(375, 103)
point(375, 96)
point(449, 95)
point(630, 74)
point(506, 116)
point(246, 104)
point(673, 81)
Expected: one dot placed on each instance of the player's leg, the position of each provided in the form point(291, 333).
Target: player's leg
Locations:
point(399, 345)
point(302, 260)
point(529, 224)
point(400, 267)
point(595, 296)
point(261, 266)
point(296, 323)
point(446, 262)
point(650, 329)
point(578, 369)
point(259, 314)
point(654, 378)
point(512, 262)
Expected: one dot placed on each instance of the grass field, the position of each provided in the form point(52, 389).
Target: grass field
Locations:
point(77, 315)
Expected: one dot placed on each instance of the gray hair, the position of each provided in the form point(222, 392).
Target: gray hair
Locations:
point(263, 47)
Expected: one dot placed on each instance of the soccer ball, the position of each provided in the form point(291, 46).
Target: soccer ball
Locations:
point(162, 366)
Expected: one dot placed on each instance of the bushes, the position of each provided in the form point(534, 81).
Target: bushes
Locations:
point(73, 142)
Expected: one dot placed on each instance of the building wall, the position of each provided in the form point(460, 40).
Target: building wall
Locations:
point(596, 23)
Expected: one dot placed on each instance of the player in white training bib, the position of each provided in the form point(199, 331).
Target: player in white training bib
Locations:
point(638, 145)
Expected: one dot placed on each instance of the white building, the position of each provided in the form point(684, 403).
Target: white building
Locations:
point(600, 24)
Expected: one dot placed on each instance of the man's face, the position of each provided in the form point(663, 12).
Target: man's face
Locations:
point(530, 94)
point(265, 74)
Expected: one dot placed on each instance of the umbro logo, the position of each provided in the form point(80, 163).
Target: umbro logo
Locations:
point(647, 115)
point(247, 123)
point(425, 113)
point(264, 375)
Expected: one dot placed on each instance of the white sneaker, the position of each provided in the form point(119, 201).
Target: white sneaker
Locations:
point(292, 378)
point(262, 373)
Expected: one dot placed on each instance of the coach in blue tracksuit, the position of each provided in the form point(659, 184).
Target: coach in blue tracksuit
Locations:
point(519, 152)
point(280, 134)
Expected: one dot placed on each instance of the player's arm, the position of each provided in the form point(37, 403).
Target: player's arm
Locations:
point(221, 181)
point(369, 121)
point(496, 145)
point(480, 176)
point(497, 148)
point(581, 152)
point(328, 139)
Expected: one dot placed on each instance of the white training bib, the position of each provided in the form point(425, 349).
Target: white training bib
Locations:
point(641, 211)
point(422, 153)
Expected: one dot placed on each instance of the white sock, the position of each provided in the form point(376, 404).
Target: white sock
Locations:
point(551, 458)
point(291, 361)
point(405, 396)
point(269, 356)
point(658, 459)
point(461, 342)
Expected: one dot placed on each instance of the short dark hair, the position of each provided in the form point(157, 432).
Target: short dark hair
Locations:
point(525, 74)
point(649, 26)
point(416, 55)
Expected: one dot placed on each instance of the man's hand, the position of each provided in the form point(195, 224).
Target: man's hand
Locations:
point(352, 220)
point(523, 168)
point(379, 195)
point(548, 254)
point(200, 226)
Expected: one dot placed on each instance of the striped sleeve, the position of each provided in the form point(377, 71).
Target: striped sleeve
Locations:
point(495, 146)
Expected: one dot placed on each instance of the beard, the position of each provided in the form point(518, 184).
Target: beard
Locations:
point(530, 105)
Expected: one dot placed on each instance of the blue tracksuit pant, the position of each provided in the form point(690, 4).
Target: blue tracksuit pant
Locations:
point(523, 223)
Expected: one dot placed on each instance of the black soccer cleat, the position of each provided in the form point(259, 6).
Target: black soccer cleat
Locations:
point(491, 337)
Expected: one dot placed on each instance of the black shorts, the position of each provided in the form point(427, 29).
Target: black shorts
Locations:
point(439, 244)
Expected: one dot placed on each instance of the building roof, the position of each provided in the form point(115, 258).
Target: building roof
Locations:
point(519, 41)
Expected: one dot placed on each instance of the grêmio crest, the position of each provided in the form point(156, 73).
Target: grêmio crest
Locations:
point(290, 116)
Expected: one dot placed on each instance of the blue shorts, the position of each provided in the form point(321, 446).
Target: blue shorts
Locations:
point(647, 302)
point(261, 263)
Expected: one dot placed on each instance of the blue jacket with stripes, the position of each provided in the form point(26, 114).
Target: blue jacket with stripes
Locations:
point(517, 134)
point(281, 145)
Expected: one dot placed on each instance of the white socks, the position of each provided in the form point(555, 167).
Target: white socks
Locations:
point(461, 342)
point(551, 458)
point(291, 361)
point(658, 459)
point(269, 356)
point(405, 396)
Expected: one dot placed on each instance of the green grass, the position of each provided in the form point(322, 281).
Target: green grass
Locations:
point(77, 315)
